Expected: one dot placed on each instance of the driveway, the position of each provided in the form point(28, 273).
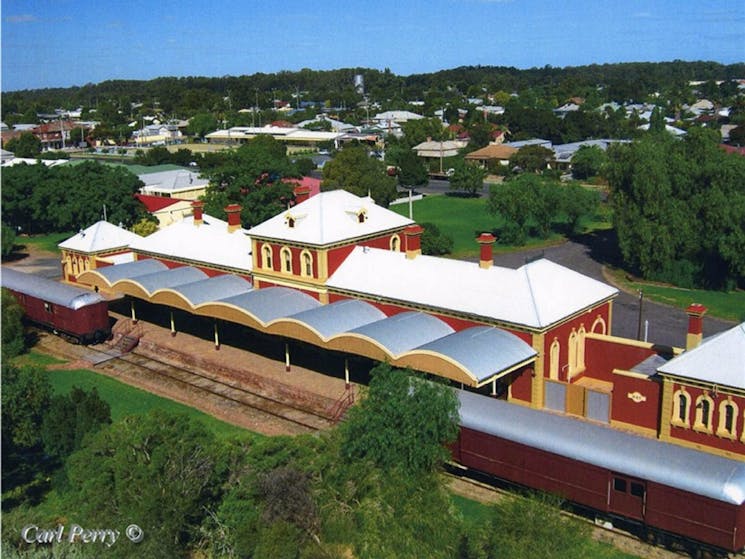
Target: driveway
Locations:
point(666, 325)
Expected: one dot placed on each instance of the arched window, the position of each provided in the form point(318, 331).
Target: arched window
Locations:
point(704, 408)
point(681, 408)
point(599, 326)
point(266, 257)
point(307, 264)
point(553, 360)
point(581, 348)
point(395, 243)
point(727, 418)
point(286, 256)
point(572, 351)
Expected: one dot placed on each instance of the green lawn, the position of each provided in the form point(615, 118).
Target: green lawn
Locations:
point(44, 242)
point(463, 219)
point(721, 304)
point(123, 399)
point(126, 400)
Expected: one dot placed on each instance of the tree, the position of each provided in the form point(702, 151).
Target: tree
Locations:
point(737, 136)
point(39, 199)
point(70, 418)
point(25, 145)
point(8, 240)
point(678, 208)
point(418, 130)
point(160, 470)
point(467, 178)
point(25, 397)
point(403, 422)
point(588, 161)
point(531, 158)
point(522, 201)
point(434, 241)
point(411, 170)
point(202, 124)
point(147, 225)
point(354, 170)
point(536, 529)
point(13, 336)
point(577, 203)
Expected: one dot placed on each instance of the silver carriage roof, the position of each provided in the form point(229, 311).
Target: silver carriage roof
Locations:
point(48, 290)
point(690, 470)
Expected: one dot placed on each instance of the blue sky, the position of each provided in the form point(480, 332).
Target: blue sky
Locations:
point(50, 43)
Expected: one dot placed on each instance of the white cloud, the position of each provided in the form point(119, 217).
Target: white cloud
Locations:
point(21, 18)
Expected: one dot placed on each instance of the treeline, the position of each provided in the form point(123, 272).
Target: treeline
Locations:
point(186, 96)
point(42, 199)
point(679, 209)
point(370, 489)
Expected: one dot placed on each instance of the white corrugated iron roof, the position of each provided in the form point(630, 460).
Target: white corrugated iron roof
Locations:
point(98, 237)
point(718, 360)
point(329, 217)
point(208, 243)
point(535, 295)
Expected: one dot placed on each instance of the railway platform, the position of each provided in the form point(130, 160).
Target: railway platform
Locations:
point(299, 386)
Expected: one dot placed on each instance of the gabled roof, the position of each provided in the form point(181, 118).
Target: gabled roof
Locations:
point(718, 360)
point(209, 243)
point(99, 237)
point(535, 295)
point(493, 151)
point(330, 217)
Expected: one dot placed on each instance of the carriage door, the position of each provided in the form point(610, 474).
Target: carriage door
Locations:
point(627, 496)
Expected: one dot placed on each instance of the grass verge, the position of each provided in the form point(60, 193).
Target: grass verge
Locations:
point(721, 304)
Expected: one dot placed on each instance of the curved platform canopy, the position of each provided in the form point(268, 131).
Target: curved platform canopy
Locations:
point(317, 325)
point(105, 278)
point(474, 356)
point(188, 296)
point(389, 338)
point(144, 286)
point(258, 307)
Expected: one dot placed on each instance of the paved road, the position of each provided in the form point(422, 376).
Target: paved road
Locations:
point(667, 325)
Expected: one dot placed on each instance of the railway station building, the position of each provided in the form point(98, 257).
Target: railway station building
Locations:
point(338, 272)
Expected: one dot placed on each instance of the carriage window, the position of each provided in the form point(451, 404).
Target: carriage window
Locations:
point(637, 489)
point(619, 484)
point(48, 307)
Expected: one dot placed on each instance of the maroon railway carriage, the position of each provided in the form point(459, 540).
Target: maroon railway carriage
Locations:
point(661, 486)
point(74, 313)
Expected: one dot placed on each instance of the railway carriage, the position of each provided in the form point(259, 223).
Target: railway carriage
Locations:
point(76, 314)
point(665, 488)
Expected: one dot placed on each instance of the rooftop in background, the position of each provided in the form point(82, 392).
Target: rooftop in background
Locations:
point(719, 360)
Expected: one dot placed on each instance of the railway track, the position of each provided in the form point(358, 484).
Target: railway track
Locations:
point(225, 399)
point(227, 390)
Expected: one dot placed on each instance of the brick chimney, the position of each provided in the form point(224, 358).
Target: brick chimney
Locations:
point(234, 217)
point(413, 234)
point(486, 240)
point(198, 207)
point(695, 334)
point(302, 193)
